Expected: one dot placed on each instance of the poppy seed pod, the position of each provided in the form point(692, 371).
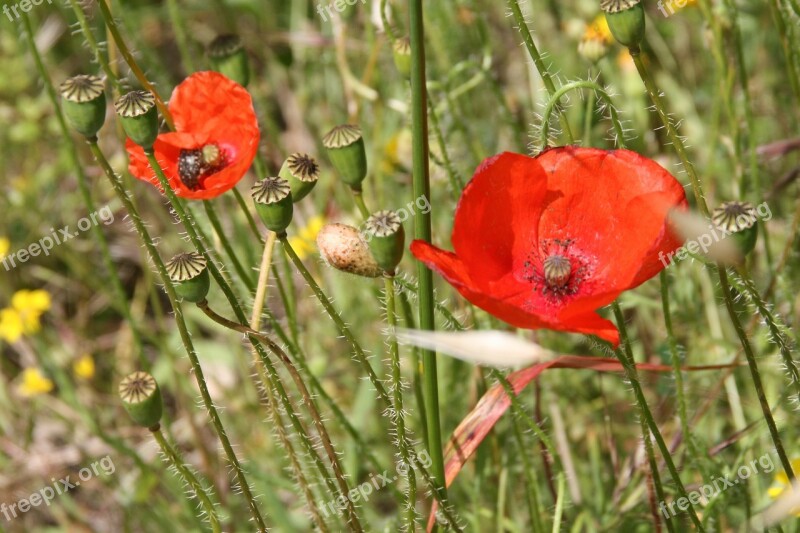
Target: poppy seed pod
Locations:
point(626, 20)
point(346, 151)
point(189, 275)
point(141, 398)
point(402, 56)
point(137, 111)
point(387, 239)
point(228, 57)
point(302, 173)
point(343, 248)
point(273, 198)
point(740, 220)
point(84, 103)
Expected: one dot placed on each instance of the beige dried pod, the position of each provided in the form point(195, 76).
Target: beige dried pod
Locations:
point(343, 248)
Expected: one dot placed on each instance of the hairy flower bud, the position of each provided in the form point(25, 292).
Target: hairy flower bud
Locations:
point(273, 198)
point(626, 20)
point(346, 151)
point(137, 112)
point(343, 248)
point(84, 103)
point(141, 398)
point(188, 273)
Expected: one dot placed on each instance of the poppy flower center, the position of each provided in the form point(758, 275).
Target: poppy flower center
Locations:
point(556, 268)
point(196, 164)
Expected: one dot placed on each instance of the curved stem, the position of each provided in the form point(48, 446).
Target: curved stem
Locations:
point(188, 477)
point(358, 198)
point(583, 84)
point(537, 61)
point(301, 387)
point(625, 357)
point(184, 332)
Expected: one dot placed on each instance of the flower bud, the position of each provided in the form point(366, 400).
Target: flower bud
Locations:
point(626, 20)
point(741, 220)
point(84, 103)
point(387, 239)
point(302, 173)
point(141, 398)
point(137, 111)
point(347, 153)
point(273, 198)
point(189, 275)
point(343, 248)
point(228, 57)
point(402, 56)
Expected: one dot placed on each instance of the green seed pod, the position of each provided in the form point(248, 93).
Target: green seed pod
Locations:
point(302, 173)
point(402, 56)
point(141, 398)
point(347, 153)
point(342, 247)
point(273, 198)
point(741, 221)
point(625, 20)
point(84, 103)
point(386, 238)
point(188, 273)
point(228, 57)
point(137, 112)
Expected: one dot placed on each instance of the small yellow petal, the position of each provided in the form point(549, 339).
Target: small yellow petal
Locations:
point(599, 30)
point(11, 325)
point(84, 367)
point(37, 301)
point(33, 383)
point(5, 245)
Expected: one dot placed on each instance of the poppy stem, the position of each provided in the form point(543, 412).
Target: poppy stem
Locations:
point(397, 399)
point(188, 477)
point(95, 48)
point(131, 61)
point(263, 279)
point(625, 356)
point(344, 330)
point(229, 251)
point(358, 198)
point(422, 230)
point(597, 90)
point(537, 61)
point(677, 143)
point(271, 378)
point(324, 437)
point(119, 298)
point(676, 359)
point(186, 337)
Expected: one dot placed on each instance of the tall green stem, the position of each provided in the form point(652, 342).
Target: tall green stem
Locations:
point(625, 356)
point(422, 230)
point(397, 397)
point(186, 338)
point(522, 24)
point(189, 478)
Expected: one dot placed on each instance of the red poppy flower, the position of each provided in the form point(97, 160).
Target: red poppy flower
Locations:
point(214, 143)
point(544, 242)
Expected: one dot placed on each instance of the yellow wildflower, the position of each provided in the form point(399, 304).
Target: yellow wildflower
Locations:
point(781, 483)
point(33, 383)
point(598, 30)
point(304, 243)
point(83, 367)
point(23, 316)
point(5, 245)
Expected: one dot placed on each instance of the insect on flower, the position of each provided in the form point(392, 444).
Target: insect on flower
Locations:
point(215, 141)
point(544, 242)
